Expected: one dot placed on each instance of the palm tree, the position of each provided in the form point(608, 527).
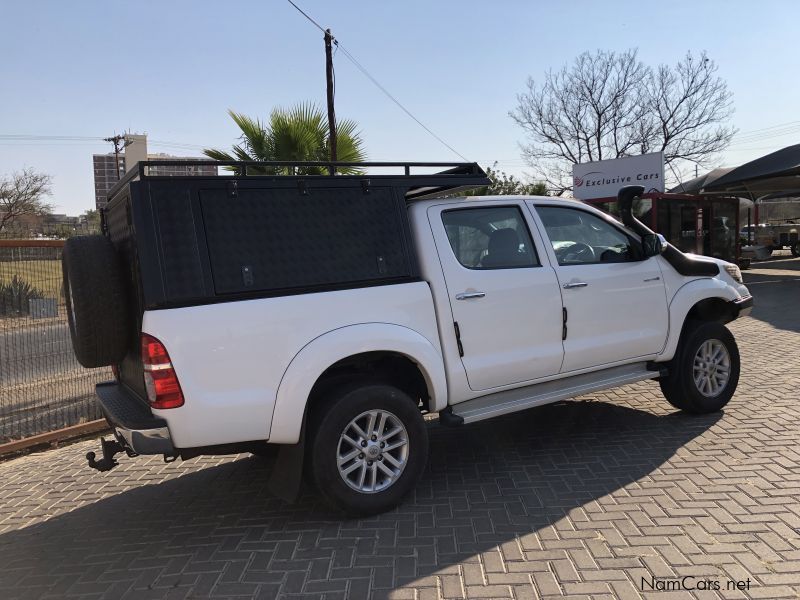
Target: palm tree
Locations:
point(298, 134)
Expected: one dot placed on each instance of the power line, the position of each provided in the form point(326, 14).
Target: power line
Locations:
point(27, 137)
point(68, 140)
point(767, 136)
point(41, 144)
point(766, 133)
point(396, 101)
point(302, 12)
point(366, 73)
point(773, 147)
point(770, 127)
point(15, 139)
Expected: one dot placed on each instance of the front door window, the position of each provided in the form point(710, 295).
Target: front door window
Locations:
point(579, 237)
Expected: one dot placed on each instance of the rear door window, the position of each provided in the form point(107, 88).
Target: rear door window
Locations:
point(490, 238)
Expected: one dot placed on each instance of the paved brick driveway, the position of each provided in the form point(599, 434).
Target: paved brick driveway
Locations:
point(582, 499)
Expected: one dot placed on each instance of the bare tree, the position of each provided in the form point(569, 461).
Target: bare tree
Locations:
point(608, 105)
point(23, 194)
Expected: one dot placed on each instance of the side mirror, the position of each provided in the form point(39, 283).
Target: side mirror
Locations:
point(654, 244)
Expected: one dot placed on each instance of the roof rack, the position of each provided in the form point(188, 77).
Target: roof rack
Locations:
point(453, 179)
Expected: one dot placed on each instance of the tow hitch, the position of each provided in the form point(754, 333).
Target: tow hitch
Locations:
point(108, 462)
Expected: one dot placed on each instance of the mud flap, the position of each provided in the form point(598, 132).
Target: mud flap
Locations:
point(287, 474)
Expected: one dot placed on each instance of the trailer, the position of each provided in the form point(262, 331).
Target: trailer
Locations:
point(775, 236)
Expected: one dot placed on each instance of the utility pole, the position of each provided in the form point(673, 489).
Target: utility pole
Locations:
point(329, 78)
point(120, 142)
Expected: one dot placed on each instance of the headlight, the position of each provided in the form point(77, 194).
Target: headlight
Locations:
point(735, 273)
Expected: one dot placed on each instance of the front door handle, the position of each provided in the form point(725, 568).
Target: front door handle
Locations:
point(468, 295)
point(575, 284)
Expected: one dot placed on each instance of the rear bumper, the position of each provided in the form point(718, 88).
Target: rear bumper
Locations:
point(743, 306)
point(133, 423)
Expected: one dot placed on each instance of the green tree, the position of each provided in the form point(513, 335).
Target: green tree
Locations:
point(92, 219)
point(503, 184)
point(298, 134)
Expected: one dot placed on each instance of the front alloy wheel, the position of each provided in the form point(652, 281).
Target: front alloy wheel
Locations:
point(705, 371)
point(712, 368)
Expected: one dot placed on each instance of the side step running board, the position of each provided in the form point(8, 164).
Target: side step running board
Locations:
point(510, 401)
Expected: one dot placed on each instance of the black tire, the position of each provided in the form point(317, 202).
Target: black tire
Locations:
point(679, 387)
point(97, 305)
point(332, 419)
point(796, 249)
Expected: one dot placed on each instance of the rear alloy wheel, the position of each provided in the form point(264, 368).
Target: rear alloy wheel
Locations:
point(369, 447)
point(373, 451)
point(705, 371)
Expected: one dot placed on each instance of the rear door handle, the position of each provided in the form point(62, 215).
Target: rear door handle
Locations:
point(575, 284)
point(468, 295)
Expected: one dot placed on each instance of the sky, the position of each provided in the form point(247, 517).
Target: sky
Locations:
point(172, 68)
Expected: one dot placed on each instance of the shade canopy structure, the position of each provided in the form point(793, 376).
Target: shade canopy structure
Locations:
point(786, 196)
point(698, 186)
point(774, 173)
point(693, 186)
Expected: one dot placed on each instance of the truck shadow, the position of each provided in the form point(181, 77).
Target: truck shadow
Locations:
point(486, 484)
point(774, 285)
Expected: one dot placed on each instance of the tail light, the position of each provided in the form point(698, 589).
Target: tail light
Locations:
point(160, 379)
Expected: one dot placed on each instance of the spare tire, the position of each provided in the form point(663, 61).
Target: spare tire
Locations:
point(97, 305)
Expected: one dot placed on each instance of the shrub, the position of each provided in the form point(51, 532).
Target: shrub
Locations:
point(14, 296)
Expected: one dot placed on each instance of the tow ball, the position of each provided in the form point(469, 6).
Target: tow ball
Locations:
point(108, 462)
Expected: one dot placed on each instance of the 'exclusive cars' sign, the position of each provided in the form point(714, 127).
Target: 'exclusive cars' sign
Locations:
point(602, 179)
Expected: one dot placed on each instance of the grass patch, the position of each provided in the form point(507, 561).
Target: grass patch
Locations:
point(44, 275)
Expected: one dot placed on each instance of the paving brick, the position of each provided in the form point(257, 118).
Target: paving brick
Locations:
point(589, 589)
point(547, 584)
point(489, 591)
point(451, 586)
point(235, 589)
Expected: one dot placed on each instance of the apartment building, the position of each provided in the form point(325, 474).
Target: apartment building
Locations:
point(108, 168)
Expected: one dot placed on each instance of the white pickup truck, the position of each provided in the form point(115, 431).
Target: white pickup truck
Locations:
point(326, 314)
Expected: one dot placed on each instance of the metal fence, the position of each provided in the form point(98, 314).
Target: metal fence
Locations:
point(42, 386)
